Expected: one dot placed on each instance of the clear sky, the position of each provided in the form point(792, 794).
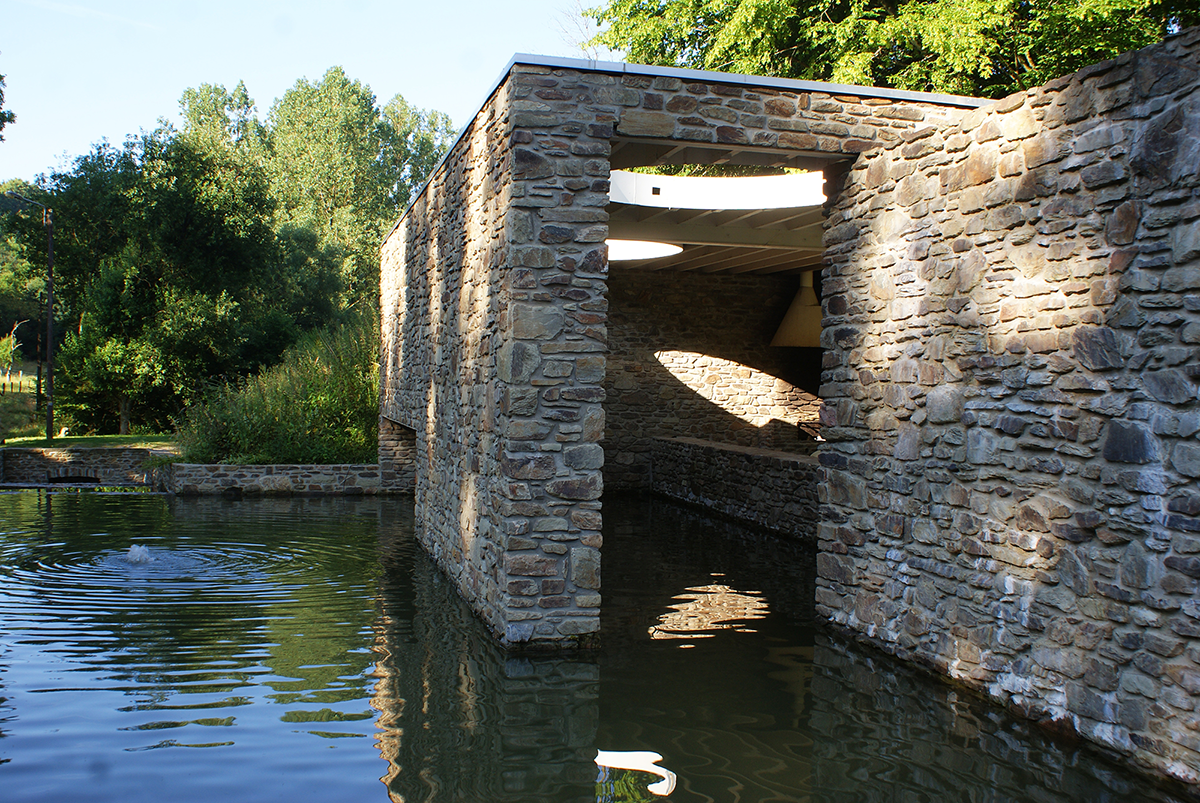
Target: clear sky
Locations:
point(78, 71)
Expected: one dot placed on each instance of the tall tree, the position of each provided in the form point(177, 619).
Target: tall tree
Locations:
point(327, 170)
point(344, 169)
point(975, 47)
point(6, 116)
point(417, 140)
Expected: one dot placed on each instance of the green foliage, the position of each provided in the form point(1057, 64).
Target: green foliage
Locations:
point(6, 116)
point(22, 283)
point(319, 405)
point(197, 255)
point(342, 169)
point(976, 47)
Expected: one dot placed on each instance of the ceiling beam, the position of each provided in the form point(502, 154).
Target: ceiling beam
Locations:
point(805, 238)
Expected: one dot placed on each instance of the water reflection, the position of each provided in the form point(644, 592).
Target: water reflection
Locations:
point(308, 650)
point(460, 720)
point(702, 610)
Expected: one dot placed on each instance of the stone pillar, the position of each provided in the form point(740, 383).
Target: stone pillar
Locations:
point(551, 362)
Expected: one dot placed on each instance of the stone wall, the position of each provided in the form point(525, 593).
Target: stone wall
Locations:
point(494, 311)
point(397, 454)
point(1012, 317)
point(192, 479)
point(109, 466)
point(768, 488)
point(689, 357)
point(493, 304)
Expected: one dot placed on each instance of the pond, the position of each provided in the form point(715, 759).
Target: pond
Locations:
point(155, 648)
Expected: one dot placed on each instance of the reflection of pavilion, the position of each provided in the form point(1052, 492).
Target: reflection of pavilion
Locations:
point(460, 720)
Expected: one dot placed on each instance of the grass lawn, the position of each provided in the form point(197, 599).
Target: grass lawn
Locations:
point(18, 414)
point(21, 424)
point(92, 441)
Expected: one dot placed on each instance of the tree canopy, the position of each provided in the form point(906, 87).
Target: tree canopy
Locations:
point(196, 255)
point(985, 48)
point(6, 116)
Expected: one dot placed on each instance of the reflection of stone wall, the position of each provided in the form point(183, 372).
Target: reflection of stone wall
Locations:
point(772, 489)
point(1011, 403)
point(716, 378)
point(458, 718)
point(883, 733)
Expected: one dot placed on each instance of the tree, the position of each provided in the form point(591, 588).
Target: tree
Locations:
point(171, 277)
point(328, 172)
point(417, 141)
point(22, 283)
point(976, 47)
point(6, 117)
point(194, 256)
point(344, 169)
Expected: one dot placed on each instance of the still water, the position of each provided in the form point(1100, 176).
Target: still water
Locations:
point(307, 650)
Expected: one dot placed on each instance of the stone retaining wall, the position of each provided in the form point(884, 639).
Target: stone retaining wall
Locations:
point(768, 488)
point(689, 358)
point(191, 479)
point(1012, 327)
point(106, 465)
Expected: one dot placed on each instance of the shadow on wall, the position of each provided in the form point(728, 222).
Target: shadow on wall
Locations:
point(689, 357)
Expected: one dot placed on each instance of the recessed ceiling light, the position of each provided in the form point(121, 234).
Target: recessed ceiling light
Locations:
point(635, 250)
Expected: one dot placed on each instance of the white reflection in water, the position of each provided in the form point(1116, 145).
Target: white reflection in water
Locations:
point(708, 608)
point(641, 761)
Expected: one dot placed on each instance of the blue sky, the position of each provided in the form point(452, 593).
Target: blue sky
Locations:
point(77, 71)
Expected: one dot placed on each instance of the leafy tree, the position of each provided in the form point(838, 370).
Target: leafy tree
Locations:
point(22, 283)
point(417, 140)
point(344, 169)
point(327, 170)
point(192, 256)
point(6, 116)
point(170, 277)
point(976, 47)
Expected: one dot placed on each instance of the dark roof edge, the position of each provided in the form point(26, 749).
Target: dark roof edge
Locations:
point(622, 68)
point(792, 84)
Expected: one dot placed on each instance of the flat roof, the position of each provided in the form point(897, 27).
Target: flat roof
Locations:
point(786, 84)
point(623, 68)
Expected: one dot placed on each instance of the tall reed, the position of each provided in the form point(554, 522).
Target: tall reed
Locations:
point(319, 405)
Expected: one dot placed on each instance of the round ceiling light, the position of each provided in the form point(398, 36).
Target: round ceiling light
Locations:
point(634, 250)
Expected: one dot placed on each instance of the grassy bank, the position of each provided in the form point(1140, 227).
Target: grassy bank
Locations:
point(93, 441)
point(19, 416)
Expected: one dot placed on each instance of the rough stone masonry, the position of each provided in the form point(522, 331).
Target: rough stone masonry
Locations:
point(1012, 319)
point(495, 313)
point(1012, 314)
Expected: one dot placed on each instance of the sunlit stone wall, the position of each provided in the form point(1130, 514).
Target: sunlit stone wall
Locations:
point(493, 353)
point(689, 356)
point(495, 316)
point(1013, 314)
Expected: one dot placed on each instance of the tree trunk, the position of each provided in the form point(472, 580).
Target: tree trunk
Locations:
point(123, 410)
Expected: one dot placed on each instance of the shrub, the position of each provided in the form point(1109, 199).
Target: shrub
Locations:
point(319, 405)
